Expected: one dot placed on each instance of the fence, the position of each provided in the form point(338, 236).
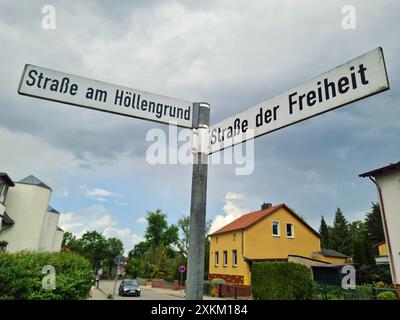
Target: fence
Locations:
point(330, 292)
point(225, 290)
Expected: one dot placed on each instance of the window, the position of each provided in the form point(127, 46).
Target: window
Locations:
point(290, 230)
point(234, 258)
point(216, 258)
point(234, 236)
point(225, 258)
point(275, 229)
point(216, 239)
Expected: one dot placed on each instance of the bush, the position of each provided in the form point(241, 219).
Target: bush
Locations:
point(21, 276)
point(387, 295)
point(281, 281)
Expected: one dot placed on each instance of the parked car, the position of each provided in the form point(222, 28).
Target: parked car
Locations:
point(129, 287)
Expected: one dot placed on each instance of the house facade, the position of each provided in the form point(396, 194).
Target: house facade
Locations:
point(274, 233)
point(27, 221)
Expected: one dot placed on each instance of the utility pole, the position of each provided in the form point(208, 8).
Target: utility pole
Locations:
point(195, 272)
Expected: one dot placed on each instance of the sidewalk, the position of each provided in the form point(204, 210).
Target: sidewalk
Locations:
point(97, 295)
point(176, 293)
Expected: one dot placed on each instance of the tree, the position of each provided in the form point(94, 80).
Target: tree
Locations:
point(363, 257)
point(183, 243)
point(113, 247)
point(134, 268)
point(324, 232)
point(375, 225)
point(339, 235)
point(158, 232)
point(139, 250)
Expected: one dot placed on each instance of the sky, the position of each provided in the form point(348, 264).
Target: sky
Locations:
point(231, 54)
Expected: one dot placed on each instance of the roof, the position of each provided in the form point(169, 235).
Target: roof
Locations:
point(7, 220)
point(59, 229)
point(51, 209)
point(7, 179)
point(251, 218)
point(332, 253)
point(390, 167)
point(379, 243)
point(32, 180)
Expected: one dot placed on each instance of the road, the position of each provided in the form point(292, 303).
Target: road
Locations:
point(148, 293)
point(106, 287)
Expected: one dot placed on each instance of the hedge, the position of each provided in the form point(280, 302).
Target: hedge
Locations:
point(21, 276)
point(281, 281)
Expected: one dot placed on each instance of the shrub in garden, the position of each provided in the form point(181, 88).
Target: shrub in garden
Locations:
point(387, 295)
point(21, 275)
point(281, 281)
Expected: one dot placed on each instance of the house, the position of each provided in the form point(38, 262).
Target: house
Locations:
point(274, 233)
point(387, 182)
point(383, 254)
point(27, 221)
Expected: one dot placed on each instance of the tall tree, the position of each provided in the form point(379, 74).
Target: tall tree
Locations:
point(325, 234)
point(183, 242)
point(158, 232)
point(113, 247)
point(375, 225)
point(340, 239)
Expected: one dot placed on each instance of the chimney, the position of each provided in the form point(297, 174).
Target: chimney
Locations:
point(265, 206)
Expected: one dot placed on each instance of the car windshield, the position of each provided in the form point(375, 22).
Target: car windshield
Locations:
point(131, 283)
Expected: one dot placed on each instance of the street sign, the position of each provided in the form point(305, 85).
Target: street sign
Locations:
point(88, 93)
point(100, 271)
point(182, 269)
point(351, 81)
point(118, 259)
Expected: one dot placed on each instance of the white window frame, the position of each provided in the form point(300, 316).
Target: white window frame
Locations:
point(234, 258)
point(292, 224)
point(225, 258)
point(216, 258)
point(279, 228)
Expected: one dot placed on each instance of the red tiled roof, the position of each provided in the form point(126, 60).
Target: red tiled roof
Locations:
point(251, 218)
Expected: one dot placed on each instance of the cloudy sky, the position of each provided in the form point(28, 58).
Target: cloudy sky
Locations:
point(232, 54)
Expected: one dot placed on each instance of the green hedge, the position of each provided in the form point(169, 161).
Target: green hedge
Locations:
point(21, 276)
point(281, 281)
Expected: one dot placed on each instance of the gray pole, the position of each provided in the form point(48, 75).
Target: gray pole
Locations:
point(116, 275)
point(195, 272)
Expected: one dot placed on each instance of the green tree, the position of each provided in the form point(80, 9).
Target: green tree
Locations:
point(139, 250)
point(183, 242)
point(364, 258)
point(374, 224)
point(340, 239)
point(134, 268)
point(158, 232)
point(325, 234)
point(113, 247)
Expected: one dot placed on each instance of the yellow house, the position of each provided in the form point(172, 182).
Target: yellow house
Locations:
point(274, 233)
point(382, 249)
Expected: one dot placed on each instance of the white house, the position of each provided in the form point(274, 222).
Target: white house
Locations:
point(27, 221)
point(387, 182)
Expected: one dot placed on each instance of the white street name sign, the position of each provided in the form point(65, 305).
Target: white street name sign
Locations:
point(88, 93)
point(351, 81)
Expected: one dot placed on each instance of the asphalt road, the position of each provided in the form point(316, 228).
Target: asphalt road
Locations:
point(147, 293)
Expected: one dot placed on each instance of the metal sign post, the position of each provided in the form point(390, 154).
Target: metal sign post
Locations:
point(195, 273)
point(118, 258)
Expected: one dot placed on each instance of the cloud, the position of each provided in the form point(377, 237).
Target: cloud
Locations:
point(141, 220)
point(62, 193)
point(232, 54)
point(98, 193)
point(232, 210)
point(98, 218)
